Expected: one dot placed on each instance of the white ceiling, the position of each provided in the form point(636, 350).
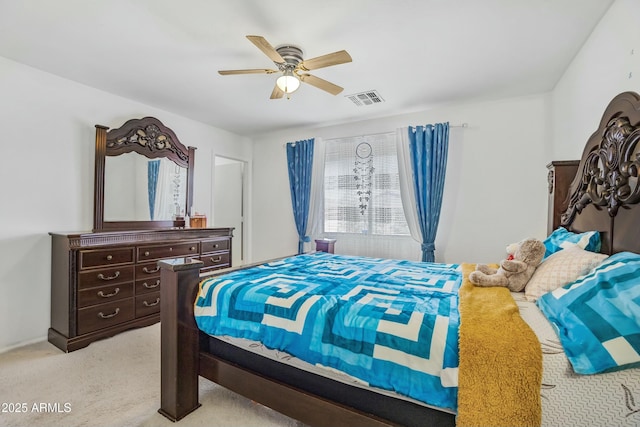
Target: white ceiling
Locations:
point(415, 53)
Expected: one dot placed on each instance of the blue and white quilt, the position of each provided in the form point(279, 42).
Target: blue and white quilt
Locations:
point(390, 323)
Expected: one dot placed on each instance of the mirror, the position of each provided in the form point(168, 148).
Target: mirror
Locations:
point(144, 177)
point(141, 189)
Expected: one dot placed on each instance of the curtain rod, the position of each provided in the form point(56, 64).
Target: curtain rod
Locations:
point(462, 125)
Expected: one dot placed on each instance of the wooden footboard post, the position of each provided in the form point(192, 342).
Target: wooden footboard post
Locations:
point(179, 335)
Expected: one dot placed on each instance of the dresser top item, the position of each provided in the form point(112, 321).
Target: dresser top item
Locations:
point(105, 238)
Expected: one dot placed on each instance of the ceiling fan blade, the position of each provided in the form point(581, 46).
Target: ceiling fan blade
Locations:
point(277, 93)
point(321, 84)
point(327, 60)
point(249, 71)
point(262, 44)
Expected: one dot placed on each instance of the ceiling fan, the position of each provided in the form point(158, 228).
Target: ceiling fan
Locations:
point(294, 68)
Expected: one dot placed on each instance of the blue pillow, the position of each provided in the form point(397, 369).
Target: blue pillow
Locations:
point(597, 317)
point(561, 238)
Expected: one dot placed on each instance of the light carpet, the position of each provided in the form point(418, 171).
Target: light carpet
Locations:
point(112, 382)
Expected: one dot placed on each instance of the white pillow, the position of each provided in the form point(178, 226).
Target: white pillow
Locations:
point(561, 268)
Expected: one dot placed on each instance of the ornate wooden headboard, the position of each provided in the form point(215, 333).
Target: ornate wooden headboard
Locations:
point(605, 193)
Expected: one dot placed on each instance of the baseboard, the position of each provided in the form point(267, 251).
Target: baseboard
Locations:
point(22, 344)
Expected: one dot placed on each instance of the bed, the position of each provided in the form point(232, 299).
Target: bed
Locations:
point(513, 367)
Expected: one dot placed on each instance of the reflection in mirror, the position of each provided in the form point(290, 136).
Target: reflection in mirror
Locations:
point(137, 188)
point(144, 177)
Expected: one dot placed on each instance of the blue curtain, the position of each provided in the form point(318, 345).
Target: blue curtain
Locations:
point(152, 184)
point(300, 162)
point(428, 146)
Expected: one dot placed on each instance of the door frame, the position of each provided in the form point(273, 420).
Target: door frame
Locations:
point(244, 231)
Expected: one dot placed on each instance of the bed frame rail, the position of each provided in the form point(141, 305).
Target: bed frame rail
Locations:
point(295, 403)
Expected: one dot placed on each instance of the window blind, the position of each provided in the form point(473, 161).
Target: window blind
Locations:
point(361, 186)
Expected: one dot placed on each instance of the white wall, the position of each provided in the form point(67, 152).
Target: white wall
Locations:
point(47, 163)
point(607, 64)
point(495, 188)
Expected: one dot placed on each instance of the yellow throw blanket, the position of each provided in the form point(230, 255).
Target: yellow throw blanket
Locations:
point(500, 370)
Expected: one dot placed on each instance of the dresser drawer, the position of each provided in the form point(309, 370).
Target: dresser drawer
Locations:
point(106, 257)
point(104, 315)
point(168, 250)
point(149, 269)
point(215, 245)
point(151, 284)
point(147, 304)
point(104, 294)
point(105, 276)
point(215, 260)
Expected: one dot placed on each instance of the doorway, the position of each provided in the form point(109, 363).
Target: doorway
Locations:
point(228, 202)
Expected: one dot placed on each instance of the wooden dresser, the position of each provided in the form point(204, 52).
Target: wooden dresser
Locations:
point(103, 283)
point(561, 174)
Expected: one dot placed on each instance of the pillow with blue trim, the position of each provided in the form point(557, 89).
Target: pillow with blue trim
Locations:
point(597, 317)
point(562, 238)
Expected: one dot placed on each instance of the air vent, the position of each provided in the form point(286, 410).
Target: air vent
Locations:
point(369, 97)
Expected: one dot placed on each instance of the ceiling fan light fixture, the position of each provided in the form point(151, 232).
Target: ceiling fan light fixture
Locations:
point(289, 61)
point(288, 82)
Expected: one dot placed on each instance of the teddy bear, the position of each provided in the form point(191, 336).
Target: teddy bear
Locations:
point(512, 273)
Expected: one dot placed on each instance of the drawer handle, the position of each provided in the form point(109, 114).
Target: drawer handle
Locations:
point(155, 270)
point(151, 304)
point(109, 257)
point(148, 286)
point(216, 259)
point(113, 294)
point(109, 316)
point(103, 277)
point(192, 248)
point(146, 253)
point(215, 246)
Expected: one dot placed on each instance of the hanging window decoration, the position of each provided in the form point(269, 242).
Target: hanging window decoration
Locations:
point(363, 174)
point(372, 170)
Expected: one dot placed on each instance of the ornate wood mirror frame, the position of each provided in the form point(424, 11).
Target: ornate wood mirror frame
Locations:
point(150, 138)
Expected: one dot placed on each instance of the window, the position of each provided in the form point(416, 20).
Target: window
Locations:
point(362, 187)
